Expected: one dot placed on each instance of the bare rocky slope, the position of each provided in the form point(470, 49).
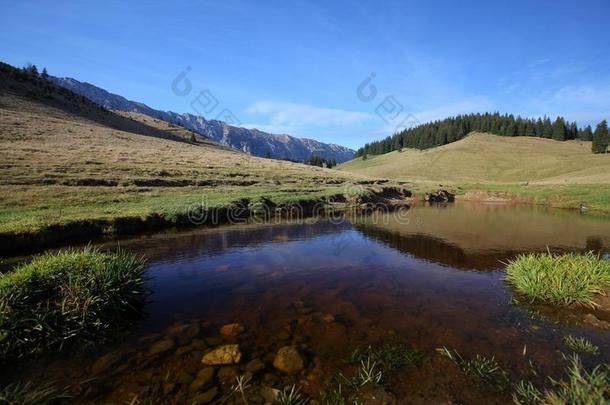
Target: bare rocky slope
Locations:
point(252, 141)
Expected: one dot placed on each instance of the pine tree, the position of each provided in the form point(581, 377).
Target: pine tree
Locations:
point(559, 129)
point(600, 138)
point(511, 129)
point(32, 70)
point(587, 134)
point(547, 128)
point(573, 131)
point(44, 75)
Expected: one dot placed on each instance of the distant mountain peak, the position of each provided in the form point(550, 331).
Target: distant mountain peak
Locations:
point(252, 141)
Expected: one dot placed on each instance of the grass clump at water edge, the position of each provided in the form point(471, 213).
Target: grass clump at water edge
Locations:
point(30, 393)
point(67, 297)
point(579, 386)
point(580, 344)
point(559, 279)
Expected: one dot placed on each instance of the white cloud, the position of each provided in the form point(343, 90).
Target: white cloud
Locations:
point(293, 115)
point(584, 94)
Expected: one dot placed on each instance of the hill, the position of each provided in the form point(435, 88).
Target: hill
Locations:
point(251, 141)
point(491, 159)
point(69, 166)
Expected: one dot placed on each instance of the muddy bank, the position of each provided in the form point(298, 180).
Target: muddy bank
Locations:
point(380, 198)
point(494, 196)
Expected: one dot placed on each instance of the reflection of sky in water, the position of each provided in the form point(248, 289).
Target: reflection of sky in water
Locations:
point(430, 285)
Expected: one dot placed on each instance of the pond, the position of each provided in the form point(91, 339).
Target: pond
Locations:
point(427, 278)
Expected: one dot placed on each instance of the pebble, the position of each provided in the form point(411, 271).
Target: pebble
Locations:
point(232, 329)
point(160, 346)
point(227, 354)
point(288, 360)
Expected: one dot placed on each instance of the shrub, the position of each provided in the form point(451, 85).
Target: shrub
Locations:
point(559, 279)
point(73, 295)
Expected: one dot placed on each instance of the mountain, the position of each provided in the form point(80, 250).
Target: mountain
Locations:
point(484, 158)
point(252, 141)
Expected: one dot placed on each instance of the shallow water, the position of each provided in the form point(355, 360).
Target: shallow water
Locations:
point(430, 278)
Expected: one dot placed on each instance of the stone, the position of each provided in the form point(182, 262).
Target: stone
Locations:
point(192, 331)
point(227, 354)
point(228, 375)
point(288, 360)
point(184, 350)
point(328, 318)
point(270, 395)
point(105, 362)
point(176, 329)
point(255, 366)
point(183, 377)
point(596, 322)
point(232, 329)
point(160, 346)
point(168, 388)
point(204, 379)
point(205, 397)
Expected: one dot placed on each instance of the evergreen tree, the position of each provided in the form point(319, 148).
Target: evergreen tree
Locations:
point(600, 138)
point(547, 128)
point(539, 127)
point(530, 129)
point(44, 75)
point(32, 70)
point(587, 134)
point(559, 130)
point(573, 131)
point(268, 155)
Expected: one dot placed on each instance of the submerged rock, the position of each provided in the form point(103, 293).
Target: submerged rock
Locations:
point(204, 379)
point(255, 366)
point(328, 318)
point(227, 354)
point(160, 346)
point(228, 375)
point(592, 320)
point(105, 362)
point(288, 360)
point(270, 395)
point(176, 329)
point(232, 329)
point(205, 397)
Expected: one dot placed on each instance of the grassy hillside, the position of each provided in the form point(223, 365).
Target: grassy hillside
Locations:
point(64, 160)
point(563, 174)
point(484, 158)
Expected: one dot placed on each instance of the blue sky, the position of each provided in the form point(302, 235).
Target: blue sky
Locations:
point(296, 66)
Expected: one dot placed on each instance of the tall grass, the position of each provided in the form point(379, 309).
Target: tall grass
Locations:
point(580, 386)
point(70, 296)
point(29, 393)
point(559, 279)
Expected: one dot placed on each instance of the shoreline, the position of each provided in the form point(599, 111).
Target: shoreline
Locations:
point(15, 243)
point(100, 229)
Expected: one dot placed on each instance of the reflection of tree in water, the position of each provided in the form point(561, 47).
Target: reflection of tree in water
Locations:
point(437, 250)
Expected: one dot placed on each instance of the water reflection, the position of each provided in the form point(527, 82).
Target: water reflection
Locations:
point(482, 236)
point(329, 288)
